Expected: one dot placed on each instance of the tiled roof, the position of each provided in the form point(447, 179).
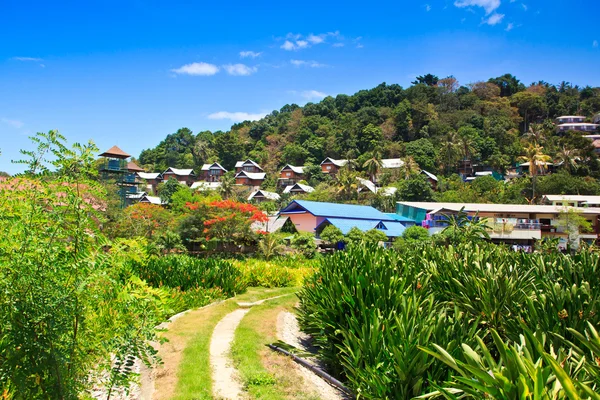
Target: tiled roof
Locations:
point(131, 166)
point(115, 152)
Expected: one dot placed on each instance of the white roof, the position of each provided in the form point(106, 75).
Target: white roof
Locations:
point(135, 196)
point(596, 136)
point(264, 193)
point(368, 184)
point(148, 175)
point(180, 172)
point(151, 199)
point(338, 163)
point(578, 124)
point(206, 167)
point(570, 116)
point(304, 188)
point(273, 224)
point(205, 185)
point(494, 208)
point(573, 198)
point(388, 191)
point(252, 175)
point(430, 175)
point(240, 164)
point(392, 163)
point(298, 170)
point(526, 164)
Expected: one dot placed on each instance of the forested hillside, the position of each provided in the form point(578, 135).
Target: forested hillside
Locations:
point(436, 121)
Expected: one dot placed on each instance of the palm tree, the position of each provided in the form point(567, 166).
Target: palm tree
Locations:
point(373, 166)
point(347, 183)
point(462, 229)
point(270, 246)
point(569, 158)
point(536, 134)
point(535, 157)
point(450, 148)
point(410, 167)
point(226, 188)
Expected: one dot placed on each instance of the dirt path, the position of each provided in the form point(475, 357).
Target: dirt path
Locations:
point(289, 332)
point(226, 384)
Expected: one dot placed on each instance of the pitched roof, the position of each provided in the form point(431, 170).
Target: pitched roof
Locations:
point(273, 224)
point(338, 163)
point(131, 166)
point(298, 170)
point(367, 183)
point(392, 163)
point(400, 218)
point(335, 210)
point(152, 200)
point(430, 175)
point(240, 164)
point(296, 186)
point(149, 175)
point(265, 194)
point(180, 172)
point(390, 228)
point(252, 175)
point(571, 197)
point(216, 165)
point(115, 152)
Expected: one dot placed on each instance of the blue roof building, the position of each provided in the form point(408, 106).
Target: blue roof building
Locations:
point(313, 216)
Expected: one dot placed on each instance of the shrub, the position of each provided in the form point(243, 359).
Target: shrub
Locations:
point(305, 244)
point(279, 272)
point(332, 235)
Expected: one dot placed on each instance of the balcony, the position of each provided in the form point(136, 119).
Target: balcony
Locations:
point(515, 228)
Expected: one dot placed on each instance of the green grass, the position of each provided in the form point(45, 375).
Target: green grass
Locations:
point(250, 354)
point(194, 372)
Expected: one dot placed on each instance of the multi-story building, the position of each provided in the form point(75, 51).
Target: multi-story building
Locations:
point(572, 200)
point(513, 224)
point(183, 176)
point(290, 174)
point(212, 172)
point(262, 195)
point(117, 168)
point(151, 179)
point(332, 166)
point(574, 123)
point(249, 173)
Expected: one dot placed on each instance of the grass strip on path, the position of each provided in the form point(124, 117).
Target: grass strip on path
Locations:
point(186, 372)
point(266, 374)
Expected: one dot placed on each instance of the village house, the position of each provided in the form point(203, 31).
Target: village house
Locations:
point(298, 188)
point(183, 176)
point(512, 224)
point(262, 195)
point(249, 173)
point(290, 175)
point(332, 166)
point(151, 179)
point(212, 172)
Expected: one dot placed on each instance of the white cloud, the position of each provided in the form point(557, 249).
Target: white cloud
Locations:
point(595, 43)
point(359, 46)
point(296, 41)
point(313, 95)
point(525, 8)
point(287, 45)
point(239, 69)
point(494, 19)
point(236, 116)
point(509, 27)
point(316, 39)
point(305, 63)
point(301, 44)
point(13, 122)
point(293, 36)
point(251, 54)
point(27, 59)
point(197, 68)
point(427, 7)
point(339, 44)
point(487, 5)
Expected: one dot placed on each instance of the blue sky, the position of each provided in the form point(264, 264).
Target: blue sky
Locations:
point(131, 72)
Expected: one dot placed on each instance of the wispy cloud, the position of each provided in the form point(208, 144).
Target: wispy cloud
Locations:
point(509, 27)
point(338, 44)
point(525, 8)
point(236, 116)
point(305, 63)
point(13, 122)
point(313, 95)
point(297, 41)
point(494, 19)
point(251, 54)
point(197, 69)
point(239, 69)
point(427, 7)
point(33, 59)
point(595, 43)
point(488, 5)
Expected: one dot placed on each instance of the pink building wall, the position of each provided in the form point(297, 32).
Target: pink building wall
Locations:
point(305, 222)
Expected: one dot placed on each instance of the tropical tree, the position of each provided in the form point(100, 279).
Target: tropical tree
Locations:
point(169, 242)
point(462, 229)
point(568, 158)
point(373, 165)
point(226, 188)
point(346, 183)
point(450, 149)
point(270, 246)
point(536, 133)
point(537, 160)
point(410, 167)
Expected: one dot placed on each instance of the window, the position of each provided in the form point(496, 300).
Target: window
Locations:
point(248, 168)
point(288, 174)
point(215, 171)
point(329, 167)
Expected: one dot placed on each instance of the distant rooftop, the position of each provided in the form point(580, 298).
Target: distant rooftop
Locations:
point(115, 152)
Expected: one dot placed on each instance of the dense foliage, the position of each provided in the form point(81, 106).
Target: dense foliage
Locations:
point(380, 317)
point(437, 123)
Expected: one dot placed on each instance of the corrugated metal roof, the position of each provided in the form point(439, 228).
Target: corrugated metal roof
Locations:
point(572, 197)
point(392, 163)
point(296, 186)
point(149, 175)
point(240, 164)
point(430, 175)
point(152, 200)
point(390, 228)
point(264, 193)
point(252, 175)
point(334, 210)
point(206, 167)
point(400, 218)
point(298, 170)
point(339, 163)
point(180, 172)
point(495, 208)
